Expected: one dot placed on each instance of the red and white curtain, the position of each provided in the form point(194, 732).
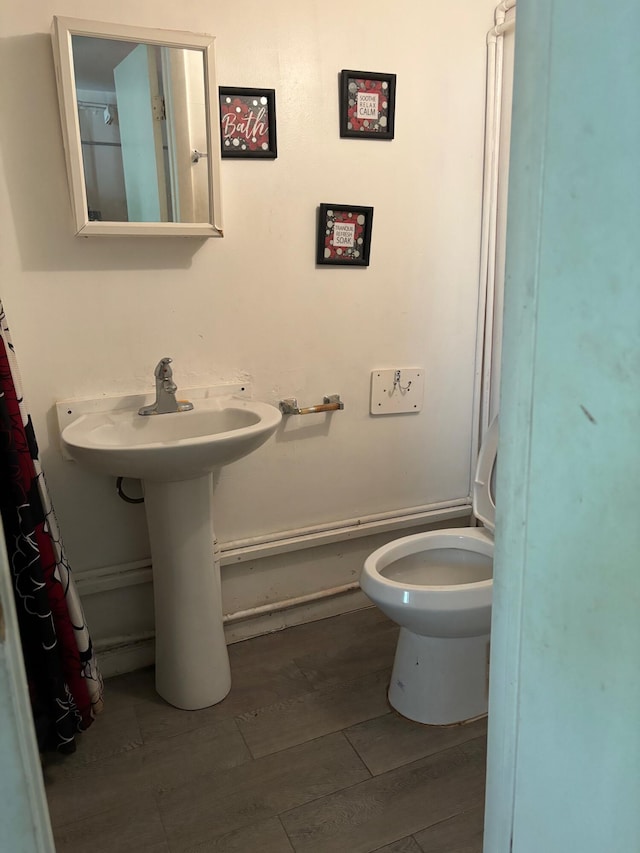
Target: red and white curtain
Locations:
point(64, 680)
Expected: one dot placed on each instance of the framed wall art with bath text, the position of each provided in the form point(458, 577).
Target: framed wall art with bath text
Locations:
point(248, 122)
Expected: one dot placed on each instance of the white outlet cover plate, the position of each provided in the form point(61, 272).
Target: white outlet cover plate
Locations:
point(391, 394)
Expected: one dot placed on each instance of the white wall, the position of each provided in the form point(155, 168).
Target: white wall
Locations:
point(92, 317)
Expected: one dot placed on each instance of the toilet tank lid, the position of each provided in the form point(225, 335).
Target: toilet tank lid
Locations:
point(484, 504)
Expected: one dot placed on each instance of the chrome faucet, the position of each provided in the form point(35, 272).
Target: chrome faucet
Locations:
point(165, 392)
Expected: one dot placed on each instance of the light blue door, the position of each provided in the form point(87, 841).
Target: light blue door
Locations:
point(564, 718)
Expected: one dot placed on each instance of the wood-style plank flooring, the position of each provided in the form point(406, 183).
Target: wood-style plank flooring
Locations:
point(303, 756)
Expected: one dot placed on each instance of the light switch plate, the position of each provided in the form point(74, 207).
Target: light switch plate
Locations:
point(399, 389)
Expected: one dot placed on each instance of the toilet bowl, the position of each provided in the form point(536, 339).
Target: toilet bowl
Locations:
point(438, 587)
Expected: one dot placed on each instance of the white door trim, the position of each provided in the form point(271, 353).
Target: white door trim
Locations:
point(24, 816)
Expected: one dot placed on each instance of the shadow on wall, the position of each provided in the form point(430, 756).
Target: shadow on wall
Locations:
point(36, 176)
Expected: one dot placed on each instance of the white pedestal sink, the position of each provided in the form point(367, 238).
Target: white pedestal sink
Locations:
point(175, 455)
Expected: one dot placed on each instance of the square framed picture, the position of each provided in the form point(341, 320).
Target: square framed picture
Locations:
point(344, 235)
point(248, 122)
point(367, 104)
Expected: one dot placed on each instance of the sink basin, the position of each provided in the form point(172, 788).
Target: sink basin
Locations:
point(175, 455)
point(170, 447)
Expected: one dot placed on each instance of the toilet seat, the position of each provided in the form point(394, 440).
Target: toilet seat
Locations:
point(484, 503)
point(456, 609)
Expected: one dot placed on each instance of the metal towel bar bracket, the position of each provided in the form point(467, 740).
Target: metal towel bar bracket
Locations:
point(331, 403)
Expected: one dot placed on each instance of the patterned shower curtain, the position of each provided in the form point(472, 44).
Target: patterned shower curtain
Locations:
point(64, 681)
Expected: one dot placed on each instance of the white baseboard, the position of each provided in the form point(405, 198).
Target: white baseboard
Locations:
point(117, 655)
point(121, 596)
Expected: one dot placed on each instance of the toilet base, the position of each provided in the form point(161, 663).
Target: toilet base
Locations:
point(440, 680)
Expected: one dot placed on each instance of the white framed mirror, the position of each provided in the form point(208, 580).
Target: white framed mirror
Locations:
point(140, 124)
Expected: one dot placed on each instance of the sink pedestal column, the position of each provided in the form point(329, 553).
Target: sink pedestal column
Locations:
point(192, 663)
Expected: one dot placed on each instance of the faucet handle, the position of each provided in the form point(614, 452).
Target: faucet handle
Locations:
point(163, 370)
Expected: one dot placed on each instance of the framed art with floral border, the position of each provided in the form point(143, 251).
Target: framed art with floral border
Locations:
point(344, 235)
point(367, 104)
point(248, 122)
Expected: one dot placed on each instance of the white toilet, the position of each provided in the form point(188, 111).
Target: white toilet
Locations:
point(438, 587)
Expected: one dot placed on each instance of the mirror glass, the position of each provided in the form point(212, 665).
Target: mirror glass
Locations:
point(141, 108)
point(139, 142)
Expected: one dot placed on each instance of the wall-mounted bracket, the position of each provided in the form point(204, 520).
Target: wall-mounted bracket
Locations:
point(397, 390)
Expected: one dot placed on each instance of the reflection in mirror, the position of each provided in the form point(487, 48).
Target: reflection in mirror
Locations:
point(141, 108)
point(140, 147)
